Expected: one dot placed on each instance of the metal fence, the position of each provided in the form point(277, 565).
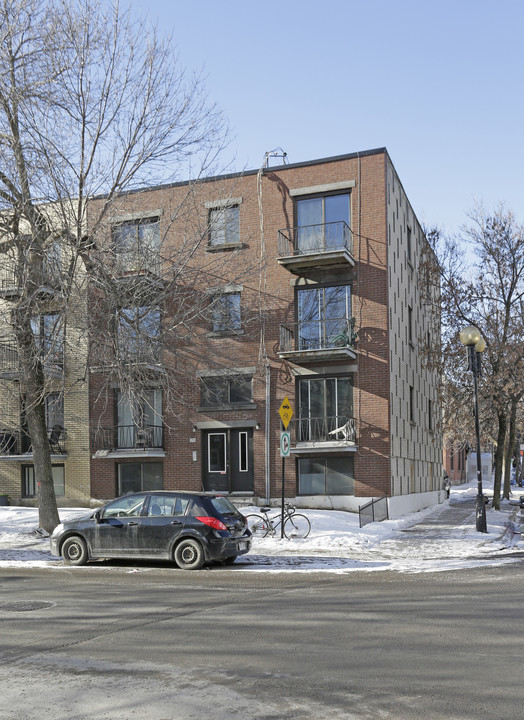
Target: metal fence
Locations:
point(373, 511)
point(318, 334)
point(129, 437)
point(325, 429)
point(314, 239)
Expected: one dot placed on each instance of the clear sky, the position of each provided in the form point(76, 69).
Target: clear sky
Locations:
point(439, 84)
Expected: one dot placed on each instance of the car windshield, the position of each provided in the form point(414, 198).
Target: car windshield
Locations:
point(223, 506)
point(127, 506)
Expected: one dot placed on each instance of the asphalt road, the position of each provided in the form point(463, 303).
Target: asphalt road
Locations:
point(164, 644)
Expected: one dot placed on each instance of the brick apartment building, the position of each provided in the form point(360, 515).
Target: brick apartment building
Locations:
point(298, 281)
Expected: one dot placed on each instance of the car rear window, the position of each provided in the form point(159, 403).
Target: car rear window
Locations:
point(223, 506)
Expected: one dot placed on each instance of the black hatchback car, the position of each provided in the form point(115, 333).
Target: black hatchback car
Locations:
point(189, 528)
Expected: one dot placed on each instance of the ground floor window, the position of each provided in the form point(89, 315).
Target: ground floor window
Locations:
point(326, 476)
point(135, 477)
point(29, 488)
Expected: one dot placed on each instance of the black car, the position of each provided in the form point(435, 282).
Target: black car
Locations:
point(189, 528)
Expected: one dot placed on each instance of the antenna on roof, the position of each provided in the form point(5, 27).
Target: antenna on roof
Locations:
point(277, 152)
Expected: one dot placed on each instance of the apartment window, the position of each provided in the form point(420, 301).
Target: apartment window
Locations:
point(224, 225)
point(53, 263)
point(243, 452)
point(140, 420)
point(48, 331)
point(323, 222)
point(219, 391)
point(225, 312)
point(411, 404)
point(408, 242)
point(324, 317)
point(54, 410)
point(325, 409)
point(138, 333)
point(29, 488)
point(430, 415)
point(137, 245)
point(326, 476)
point(138, 477)
point(410, 325)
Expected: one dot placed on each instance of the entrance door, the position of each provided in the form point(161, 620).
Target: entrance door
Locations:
point(227, 460)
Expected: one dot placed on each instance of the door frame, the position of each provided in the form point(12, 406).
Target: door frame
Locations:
point(232, 460)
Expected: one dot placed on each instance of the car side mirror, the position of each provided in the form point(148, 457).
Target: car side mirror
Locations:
point(98, 518)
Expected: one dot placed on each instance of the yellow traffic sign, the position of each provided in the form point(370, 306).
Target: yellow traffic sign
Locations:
point(285, 412)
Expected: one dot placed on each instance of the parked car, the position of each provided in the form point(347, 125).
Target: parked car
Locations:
point(188, 528)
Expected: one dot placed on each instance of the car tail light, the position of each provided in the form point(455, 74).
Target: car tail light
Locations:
point(212, 522)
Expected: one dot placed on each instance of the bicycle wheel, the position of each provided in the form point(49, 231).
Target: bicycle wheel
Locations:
point(258, 525)
point(297, 526)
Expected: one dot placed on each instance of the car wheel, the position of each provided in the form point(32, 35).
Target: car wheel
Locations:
point(189, 554)
point(74, 551)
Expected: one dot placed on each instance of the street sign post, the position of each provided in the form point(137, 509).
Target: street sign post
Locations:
point(286, 413)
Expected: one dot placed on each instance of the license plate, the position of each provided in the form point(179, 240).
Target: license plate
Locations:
point(242, 545)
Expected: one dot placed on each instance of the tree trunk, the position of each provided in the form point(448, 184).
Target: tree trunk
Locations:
point(499, 459)
point(47, 509)
point(33, 390)
point(510, 447)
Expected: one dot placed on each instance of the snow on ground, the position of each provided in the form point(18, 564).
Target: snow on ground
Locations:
point(442, 537)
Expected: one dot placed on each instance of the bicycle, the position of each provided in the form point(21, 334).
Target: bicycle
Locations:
point(296, 525)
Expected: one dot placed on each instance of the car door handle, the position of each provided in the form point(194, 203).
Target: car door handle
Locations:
point(176, 522)
point(132, 523)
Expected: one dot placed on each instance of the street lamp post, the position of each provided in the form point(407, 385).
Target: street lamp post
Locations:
point(475, 344)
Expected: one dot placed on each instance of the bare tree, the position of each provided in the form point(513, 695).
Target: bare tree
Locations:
point(91, 104)
point(482, 276)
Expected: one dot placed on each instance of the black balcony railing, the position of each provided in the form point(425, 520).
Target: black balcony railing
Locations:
point(52, 358)
point(315, 239)
point(318, 334)
point(325, 429)
point(16, 441)
point(128, 437)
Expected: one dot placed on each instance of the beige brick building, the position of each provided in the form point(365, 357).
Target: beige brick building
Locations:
point(310, 275)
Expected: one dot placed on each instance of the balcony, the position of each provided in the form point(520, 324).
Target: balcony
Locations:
point(128, 441)
point(318, 340)
point(315, 247)
point(15, 443)
point(138, 358)
point(139, 273)
point(52, 360)
point(11, 285)
point(323, 434)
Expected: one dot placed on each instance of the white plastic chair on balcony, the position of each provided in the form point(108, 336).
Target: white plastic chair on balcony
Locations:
point(346, 431)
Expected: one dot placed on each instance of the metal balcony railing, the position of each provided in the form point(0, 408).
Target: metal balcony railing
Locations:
point(52, 358)
point(16, 441)
point(137, 262)
point(318, 334)
point(315, 239)
point(324, 429)
point(107, 355)
point(12, 282)
point(128, 437)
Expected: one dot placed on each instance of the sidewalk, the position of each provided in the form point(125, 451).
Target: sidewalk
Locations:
point(448, 537)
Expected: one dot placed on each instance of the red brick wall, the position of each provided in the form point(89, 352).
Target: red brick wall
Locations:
point(269, 295)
